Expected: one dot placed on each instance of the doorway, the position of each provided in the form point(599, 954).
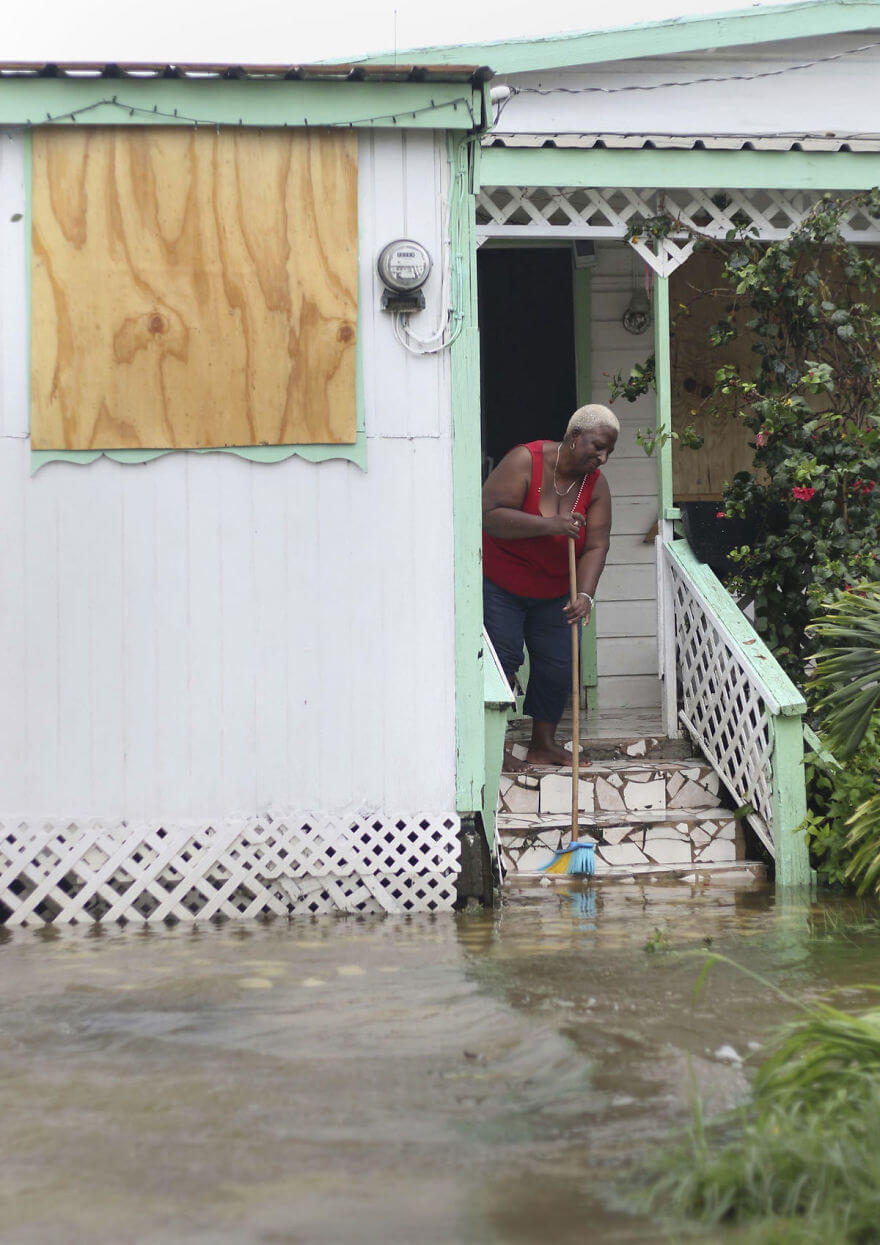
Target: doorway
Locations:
point(534, 360)
point(528, 366)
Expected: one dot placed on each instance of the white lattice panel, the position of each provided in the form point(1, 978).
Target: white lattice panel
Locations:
point(723, 706)
point(581, 212)
point(370, 862)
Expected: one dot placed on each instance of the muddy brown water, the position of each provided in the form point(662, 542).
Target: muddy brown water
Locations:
point(492, 1078)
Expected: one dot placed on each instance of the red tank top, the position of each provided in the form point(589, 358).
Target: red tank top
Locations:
point(538, 565)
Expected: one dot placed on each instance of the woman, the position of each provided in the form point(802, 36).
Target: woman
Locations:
point(538, 496)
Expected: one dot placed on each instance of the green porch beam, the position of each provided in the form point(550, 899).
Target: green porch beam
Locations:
point(789, 803)
point(470, 736)
point(658, 169)
point(663, 372)
point(114, 101)
point(671, 36)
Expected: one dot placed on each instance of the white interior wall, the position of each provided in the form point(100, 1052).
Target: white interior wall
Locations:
point(834, 95)
point(203, 637)
point(626, 618)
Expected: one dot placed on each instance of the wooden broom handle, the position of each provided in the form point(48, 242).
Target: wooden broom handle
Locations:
point(575, 692)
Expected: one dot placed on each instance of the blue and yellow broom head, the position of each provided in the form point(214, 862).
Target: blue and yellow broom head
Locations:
point(577, 858)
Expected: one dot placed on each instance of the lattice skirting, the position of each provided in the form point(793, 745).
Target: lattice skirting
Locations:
point(66, 872)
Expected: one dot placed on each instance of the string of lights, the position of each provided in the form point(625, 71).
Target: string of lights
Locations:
point(156, 113)
point(659, 86)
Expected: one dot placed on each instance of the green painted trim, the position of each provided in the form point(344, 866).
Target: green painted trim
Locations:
point(470, 728)
point(812, 741)
point(582, 295)
point(589, 651)
point(781, 695)
point(654, 169)
point(498, 701)
point(496, 689)
point(101, 101)
point(663, 368)
point(789, 803)
point(737, 27)
point(355, 453)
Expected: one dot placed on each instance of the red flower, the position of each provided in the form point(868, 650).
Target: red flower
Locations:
point(868, 486)
point(799, 493)
point(719, 514)
point(760, 440)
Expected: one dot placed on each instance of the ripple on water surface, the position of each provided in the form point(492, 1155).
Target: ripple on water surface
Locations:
point(487, 1077)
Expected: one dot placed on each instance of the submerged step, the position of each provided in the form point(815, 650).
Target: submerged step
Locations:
point(651, 837)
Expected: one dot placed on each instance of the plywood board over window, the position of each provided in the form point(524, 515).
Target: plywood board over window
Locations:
point(193, 288)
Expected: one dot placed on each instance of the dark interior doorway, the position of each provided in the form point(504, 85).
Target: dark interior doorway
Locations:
point(527, 346)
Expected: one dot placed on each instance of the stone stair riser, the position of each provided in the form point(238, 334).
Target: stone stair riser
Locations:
point(710, 840)
point(612, 789)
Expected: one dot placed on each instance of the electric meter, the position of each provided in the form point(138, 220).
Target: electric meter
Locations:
point(404, 266)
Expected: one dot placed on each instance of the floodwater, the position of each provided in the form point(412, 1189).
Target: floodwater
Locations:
point(487, 1077)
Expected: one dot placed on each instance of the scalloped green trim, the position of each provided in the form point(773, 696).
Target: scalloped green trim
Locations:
point(355, 453)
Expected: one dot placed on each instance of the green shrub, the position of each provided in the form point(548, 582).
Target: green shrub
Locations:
point(844, 821)
point(801, 1162)
point(834, 794)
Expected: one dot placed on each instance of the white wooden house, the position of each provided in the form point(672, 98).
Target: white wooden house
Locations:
point(240, 608)
point(227, 606)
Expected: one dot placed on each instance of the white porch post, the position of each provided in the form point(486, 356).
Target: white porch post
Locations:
point(665, 509)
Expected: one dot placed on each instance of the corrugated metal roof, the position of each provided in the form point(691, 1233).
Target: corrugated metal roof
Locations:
point(474, 74)
point(689, 142)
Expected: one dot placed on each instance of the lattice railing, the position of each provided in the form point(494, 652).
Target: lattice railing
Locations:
point(368, 862)
point(580, 212)
point(732, 690)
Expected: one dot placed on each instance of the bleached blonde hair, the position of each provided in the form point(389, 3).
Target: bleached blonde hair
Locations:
point(592, 416)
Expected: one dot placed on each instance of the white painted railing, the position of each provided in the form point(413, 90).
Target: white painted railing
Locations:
point(739, 705)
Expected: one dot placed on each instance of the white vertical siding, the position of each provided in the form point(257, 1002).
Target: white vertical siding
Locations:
point(627, 615)
point(205, 637)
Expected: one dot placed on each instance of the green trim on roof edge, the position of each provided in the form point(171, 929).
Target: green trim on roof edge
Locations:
point(654, 169)
point(737, 27)
point(159, 101)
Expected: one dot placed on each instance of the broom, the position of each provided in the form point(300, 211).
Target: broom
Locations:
point(577, 858)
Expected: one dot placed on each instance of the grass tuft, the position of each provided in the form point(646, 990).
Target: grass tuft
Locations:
point(801, 1162)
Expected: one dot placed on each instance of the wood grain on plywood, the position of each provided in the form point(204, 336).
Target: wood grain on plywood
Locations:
point(193, 288)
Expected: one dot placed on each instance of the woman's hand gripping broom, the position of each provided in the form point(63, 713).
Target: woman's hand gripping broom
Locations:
point(577, 858)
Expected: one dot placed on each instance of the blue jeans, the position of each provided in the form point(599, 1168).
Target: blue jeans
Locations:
point(511, 619)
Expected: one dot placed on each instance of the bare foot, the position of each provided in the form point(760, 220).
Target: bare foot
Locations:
point(512, 764)
point(553, 754)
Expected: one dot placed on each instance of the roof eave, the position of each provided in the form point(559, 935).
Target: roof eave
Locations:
point(737, 27)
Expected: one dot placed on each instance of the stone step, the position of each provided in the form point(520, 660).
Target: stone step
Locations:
point(654, 837)
point(612, 786)
point(604, 747)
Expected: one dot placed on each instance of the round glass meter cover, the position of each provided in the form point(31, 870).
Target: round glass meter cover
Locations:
point(404, 265)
